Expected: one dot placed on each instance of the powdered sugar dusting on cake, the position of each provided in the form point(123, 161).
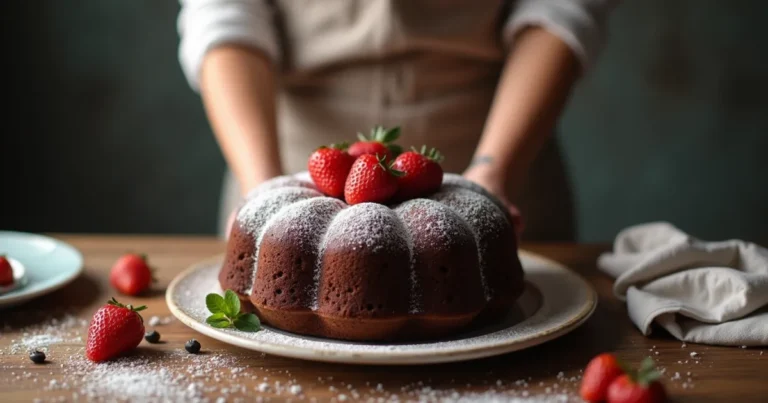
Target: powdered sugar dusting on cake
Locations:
point(366, 226)
point(453, 181)
point(280, 182)
point(441, 224)
point(437, 228)
point(460, 210)
point(310, 219)
point(483, 216)
point(253, 216)
point(307, 219)
point(304, 176)
point(256, 211)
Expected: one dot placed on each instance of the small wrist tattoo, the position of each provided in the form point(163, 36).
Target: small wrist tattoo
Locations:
point(481, 160)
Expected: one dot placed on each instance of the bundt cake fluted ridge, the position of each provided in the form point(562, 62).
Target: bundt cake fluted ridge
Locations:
point(311, 264)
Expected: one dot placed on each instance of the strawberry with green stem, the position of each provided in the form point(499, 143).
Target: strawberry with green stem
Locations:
point(379, 142)
point(371, 180)
point(328, 167)
point(598, 375)
point(641, 386)
point(114, 330)
point(422, 173)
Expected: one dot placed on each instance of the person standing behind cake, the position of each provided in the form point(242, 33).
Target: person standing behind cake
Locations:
point(483, 81)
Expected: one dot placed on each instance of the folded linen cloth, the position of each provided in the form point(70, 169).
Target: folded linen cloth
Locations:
point(700, 292)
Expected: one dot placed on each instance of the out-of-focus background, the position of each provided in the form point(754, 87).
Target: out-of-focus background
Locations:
point(102, 134)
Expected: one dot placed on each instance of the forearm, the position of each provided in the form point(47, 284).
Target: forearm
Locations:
point(238, 91)
point(537, 79)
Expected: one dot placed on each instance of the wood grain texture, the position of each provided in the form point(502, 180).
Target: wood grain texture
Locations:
point(721, 374)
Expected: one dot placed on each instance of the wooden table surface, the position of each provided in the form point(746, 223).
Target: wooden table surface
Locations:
point(232, 374)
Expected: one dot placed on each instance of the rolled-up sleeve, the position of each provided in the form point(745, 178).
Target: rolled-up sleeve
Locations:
point(580, 24)
point(205, 24)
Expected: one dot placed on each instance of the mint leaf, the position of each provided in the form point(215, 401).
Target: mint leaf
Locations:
point(226, 313)
point(219, 315)
point(232, 308)
point(215, 303)
point(247, 322)
point(219, 320)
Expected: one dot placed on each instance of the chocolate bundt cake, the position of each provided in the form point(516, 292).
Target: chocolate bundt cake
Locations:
point(423, 268)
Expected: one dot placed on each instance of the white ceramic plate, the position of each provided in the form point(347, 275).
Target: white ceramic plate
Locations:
point(556, 301)
point(48, 264)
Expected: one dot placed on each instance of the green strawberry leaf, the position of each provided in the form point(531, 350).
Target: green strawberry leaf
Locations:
point(390, 135)
point(233, 304)
point(647, 373)
point(247, 322)
point(395, 149)
point(646, 365)
point(219, 320)
point(215, 303)
point(650, 377)
point(362, 136)
point(340, 146)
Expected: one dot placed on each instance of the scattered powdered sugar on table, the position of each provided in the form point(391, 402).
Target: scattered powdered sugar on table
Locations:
point(158, 321)
point(50, 331)
point(137, 380)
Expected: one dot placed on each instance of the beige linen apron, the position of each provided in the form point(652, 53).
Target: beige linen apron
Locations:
point(430, 67)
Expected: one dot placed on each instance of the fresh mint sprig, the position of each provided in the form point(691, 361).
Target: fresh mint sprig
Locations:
point(226, 313)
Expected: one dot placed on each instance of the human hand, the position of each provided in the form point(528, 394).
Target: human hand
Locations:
point(494, 184)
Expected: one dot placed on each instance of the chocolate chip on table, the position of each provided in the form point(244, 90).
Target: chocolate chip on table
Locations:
point(193, 346)
point(152, 337)
point(38, 357)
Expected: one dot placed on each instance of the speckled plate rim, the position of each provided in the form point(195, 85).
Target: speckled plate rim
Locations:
point(568, 300)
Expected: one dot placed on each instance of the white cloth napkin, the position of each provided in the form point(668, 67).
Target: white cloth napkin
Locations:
point(701, 292)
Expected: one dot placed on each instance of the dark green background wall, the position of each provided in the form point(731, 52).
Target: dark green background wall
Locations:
point(103, 134)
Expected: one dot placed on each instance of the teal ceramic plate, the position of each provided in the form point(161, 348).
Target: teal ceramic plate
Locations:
point(49, 264)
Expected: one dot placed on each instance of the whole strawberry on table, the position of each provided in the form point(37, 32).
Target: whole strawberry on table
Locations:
point(114, 330)
point(131, 274)
point(608, 380)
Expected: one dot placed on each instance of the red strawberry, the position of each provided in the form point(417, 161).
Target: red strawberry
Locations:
point(379, 142)
point(422, 173)
point(328, 167)
point(626, 390)
point(114, 329)
point(131, 274)
point(370, 180)
point(598, 375)
point(638, 387)
point(6, 272)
